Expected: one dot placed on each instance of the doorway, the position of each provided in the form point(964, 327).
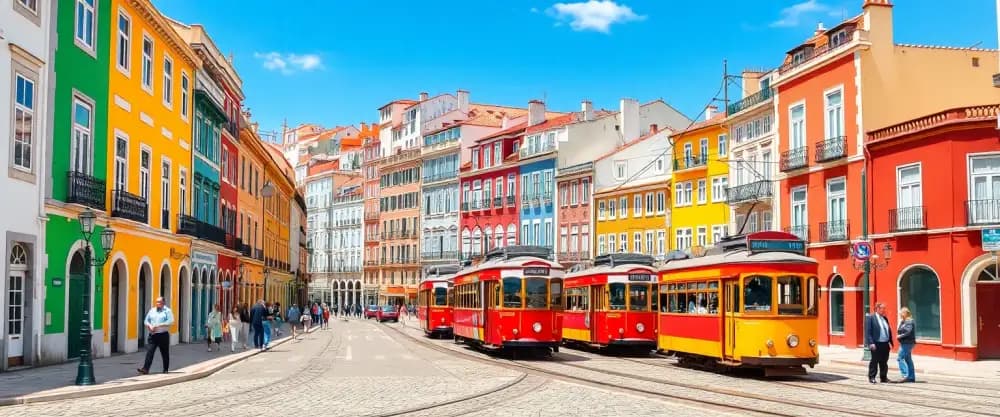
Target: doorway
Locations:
point(143, 304)
point(77, 285)
point(731, 301)
point(182, 299)
point(988, 316)
point(119, 294)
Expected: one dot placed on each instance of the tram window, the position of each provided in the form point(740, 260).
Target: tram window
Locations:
point(451, 297)
point(812, 289)
point(555, 293)
point(536, 292)
point(713, 303)
point(638, 297)
point(654, 298)
point(616, 296)
point(512, 292)
point(757, 294)
point(790, 295)
point(664, 301)
point(496, 296)
point(440, 297)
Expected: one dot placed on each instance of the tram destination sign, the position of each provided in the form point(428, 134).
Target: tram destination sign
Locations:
point(640, 277)
point(773, 245)
point(534, 270)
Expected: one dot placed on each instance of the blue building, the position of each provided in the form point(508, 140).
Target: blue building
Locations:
point(537, 202)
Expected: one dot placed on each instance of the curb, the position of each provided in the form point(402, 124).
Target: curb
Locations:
point(106, 388)
point(863, 364)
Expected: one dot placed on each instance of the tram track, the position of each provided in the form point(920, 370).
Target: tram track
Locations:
point(740, 402)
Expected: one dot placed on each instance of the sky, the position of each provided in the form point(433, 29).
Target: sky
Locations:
point(334, 62)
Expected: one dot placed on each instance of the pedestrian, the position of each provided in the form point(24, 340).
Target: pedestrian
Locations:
point(245, 319)
point(906, 339)
point(278, 320)
point(878, 338)
point(326, 317)
point(402, 312)
point(258, 316)
point(213, 327)
point(268, 319)
point(305, 319)
point(235, 325)
point(158, 321)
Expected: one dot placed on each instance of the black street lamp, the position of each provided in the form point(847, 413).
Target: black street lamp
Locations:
point(85, 369)
point(239, 281)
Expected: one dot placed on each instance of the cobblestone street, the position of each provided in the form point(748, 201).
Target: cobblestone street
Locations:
point(360, 368)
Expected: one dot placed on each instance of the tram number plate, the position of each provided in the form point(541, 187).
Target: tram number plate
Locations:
point(640, 277)
point(791, 246)
point(536, 271)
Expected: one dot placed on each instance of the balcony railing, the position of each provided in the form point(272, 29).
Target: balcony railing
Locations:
point(465, 206)
point(439, 255)
point(510, 200)
point(440, 176)
point(834, 231)
point(187, 225)
point(497, 202)
point(129, 206)
point(794, 159)
point(689, 162)
point(750, 101)
point(802, 231)
point(371, 215)
point(982, 212)
point(85, 189)
point(246, 250)
point(401, 156)
point(831, 149)
point(258, 254)
point(193, 227)
point(906, 219)
point(232, 242)
point(749, 192)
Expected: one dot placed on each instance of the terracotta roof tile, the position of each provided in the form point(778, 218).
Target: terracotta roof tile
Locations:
point(553, 122)
point(510, 130)
point(323, 166)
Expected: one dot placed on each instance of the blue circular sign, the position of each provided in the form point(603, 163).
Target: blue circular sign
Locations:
point(862, 251)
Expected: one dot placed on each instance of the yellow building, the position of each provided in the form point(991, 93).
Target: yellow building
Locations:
point(277, 218)
point(632, 197)
point(700, 177)
point(149, 170)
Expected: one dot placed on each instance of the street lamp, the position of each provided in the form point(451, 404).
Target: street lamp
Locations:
point(239, 281)
point(85, 369)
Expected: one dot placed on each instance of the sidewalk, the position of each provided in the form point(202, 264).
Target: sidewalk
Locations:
point(117, 373)
point(926, 365)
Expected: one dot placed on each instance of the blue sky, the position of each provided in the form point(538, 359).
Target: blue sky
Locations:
point(334, 62)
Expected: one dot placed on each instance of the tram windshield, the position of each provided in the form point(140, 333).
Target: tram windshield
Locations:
point(757, 294)
point(441, 297)
point(512, 292)
point(616, 296)
point(789, 295)
point(536, 292)
point(638, 297)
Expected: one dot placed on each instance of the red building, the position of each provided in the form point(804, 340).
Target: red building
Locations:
point(489, 190)
point(934, 185)
point(371, 154)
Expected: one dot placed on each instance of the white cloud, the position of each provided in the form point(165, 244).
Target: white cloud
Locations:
point(534, 10)
point(289, 63)
point(792, 16)
point(596, 15)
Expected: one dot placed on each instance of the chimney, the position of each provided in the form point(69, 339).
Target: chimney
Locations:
point(819, 29)
point(653, 128)
point(628, 118)
point(463, 101)
point(710, 111)
point(423, 96)
point(587, 108)
point(536, 112)
point(504, 122)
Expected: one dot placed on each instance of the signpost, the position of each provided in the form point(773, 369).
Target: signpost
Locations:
point(991, 240)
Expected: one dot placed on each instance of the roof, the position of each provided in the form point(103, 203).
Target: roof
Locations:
point(400, 101)
point(821, 39)
point(510, 130)
point(323, 166)
point(714, 120)
point(635, 184)
point(639, 140)
point(552, 123)
point(608, 269)
point(739, 257)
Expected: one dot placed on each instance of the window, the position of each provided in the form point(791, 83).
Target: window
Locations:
point(837, 305)
point(682, 238)
point(723, 145)
point(659, 164)
point(563, 195)
point(600, 210)
point(620, 170)
point(525, 239)
point(121, 163)
point(719, 185)
point(574, 193)
point(637, 242)
point(124, 42)
point(600, 245)
point(919, 290)
point(84, 25)
point(168, 81)
point(612, 243)
point(147, 63)
point(718, 231)
point(623, 238)
point(839, 38)
point(83, 118)
point(487, 156)
point(757, 294)
point(510, 186)
point(184, 95)
point(650, 241)
point(661, 201)
point(661, 242)
point(702, 236)
point(512, 292)
point(637, 205)
point(585, 191)
point(799, 217)
point(475, 159)
point(649, 204)
point(834, 114)
point(611, 209)
point(499, 188)
point(836, 210)
point(790, 295)
point(24, 121)
point(144, 166)
point(984, 187)
point(797, 127)
point(703, 149)
point(623, 207)
point(549, 239)
point(497, 153)
point(165, 195)
point(702, 191)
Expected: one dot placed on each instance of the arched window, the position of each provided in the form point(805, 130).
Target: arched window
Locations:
point(498, 236)
point(466, 243)
point(837, 305)
point(477, 241)
point(511, 234)
point(990, 273)
point(488, 242)
point(920, 290)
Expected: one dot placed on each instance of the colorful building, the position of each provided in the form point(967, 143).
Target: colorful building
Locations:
point(399, 216)
point(752, 156)
point(700, 178)
point(278, 194)
point(253, 158)
point(371, 154)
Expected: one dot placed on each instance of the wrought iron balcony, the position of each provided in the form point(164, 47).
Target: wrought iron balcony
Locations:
point(753, 191)
point(497, 202)
point(510, 200)
point(439, 255)
point(906, 219)
point(834, 231)
point(187, 225)
point(246, 250)
point(440, 176)
point(690, 162)
point(831, 149)
point(193, 227)
point(258, 254)
point(750, 101)
point(465, 206)
point(86, 190)
point(802, 231)
point(232, 242)
point(129, 206)
point(982, 212)
point(794, 159)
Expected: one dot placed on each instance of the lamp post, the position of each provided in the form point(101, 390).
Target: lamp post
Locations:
point(866, 260)
point(85, 369)
point(239, 281)
point(266, 191)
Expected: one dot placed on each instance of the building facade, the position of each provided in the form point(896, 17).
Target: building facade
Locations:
point(253, 158)
point(752, 156)
point(399, 218)
point(278, 200)
point(346, 242)
point(372, 152)
point(479, 215)
point(700, 177)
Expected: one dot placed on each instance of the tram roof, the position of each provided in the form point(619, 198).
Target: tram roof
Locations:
point(510, 263)
point(736, 257)
point(609, 270)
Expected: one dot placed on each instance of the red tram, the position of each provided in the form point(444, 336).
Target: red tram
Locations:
point(433, 300)
point(512, 299)
point(613, 303)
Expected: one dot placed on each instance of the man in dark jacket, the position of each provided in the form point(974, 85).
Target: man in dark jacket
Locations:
point(258, 314)
point(878, 338)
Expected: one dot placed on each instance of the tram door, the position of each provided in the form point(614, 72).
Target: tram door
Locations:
point(490, 297)
point(731, 301)
point(595, 320)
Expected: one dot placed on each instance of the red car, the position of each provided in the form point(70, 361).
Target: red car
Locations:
point(371, 311)
point(387, 313)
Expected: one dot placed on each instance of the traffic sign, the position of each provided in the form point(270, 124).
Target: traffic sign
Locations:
point(991, 239)
point(862, 251)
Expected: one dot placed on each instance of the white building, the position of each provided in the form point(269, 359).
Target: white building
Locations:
point(27, 94)
point(346, 244)
point(752, 156)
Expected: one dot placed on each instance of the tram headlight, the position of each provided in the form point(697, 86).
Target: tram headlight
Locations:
point(812, 342)
point(537, 327)
point(442, 320)
point(770, 343)
point(621, 331)
point(792, 340)
point(640, 328)
point(514, 331)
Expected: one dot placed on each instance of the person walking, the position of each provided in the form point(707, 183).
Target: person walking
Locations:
point(158, 321)
point(213, 327)
point(278, 320)
point(268, 319)
point(878, 338)
point(235, 325)
point(326, 317)
point(305, 319)
point(907, 339)
point(258, 316)
point(245, 319)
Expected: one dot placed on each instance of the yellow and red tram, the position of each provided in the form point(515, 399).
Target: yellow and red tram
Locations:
point(510, 300)
point(433, 300)
point(612, 303)
point(750, 302)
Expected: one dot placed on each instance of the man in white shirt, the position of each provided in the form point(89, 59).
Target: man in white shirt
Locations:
point(158, 321)
point(878, 338)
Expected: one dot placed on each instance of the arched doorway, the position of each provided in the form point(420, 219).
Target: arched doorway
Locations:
point(77, 286)
point(196, 304)
point(920, 291)
point(17, 296)
point(165, 285)
point(837, 305)
point(988, 316)
point(183, 304)
point(119, 311)
point(142, 304)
